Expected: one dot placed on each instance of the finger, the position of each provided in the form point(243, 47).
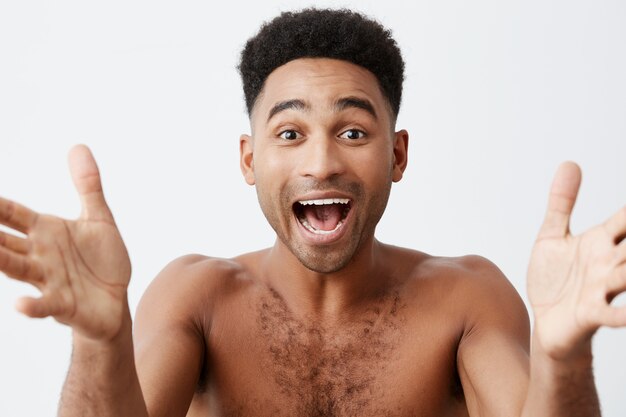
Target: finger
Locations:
point(616, 225)
point(19, 267)
point(16, 216)
point(613, 316)
point(37, 307)
point(616, 283)
point(561, 200)
point(14, 243)
point(86, 177)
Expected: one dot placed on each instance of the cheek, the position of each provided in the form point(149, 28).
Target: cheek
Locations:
point(376, 166)
point(272, 165)
point(272, 174)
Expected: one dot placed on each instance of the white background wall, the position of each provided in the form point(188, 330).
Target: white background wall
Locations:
point(497, 93)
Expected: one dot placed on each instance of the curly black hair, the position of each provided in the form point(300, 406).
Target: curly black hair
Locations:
point(328, 33)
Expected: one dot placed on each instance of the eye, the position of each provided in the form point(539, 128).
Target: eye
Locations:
point(289, 135)
point(352, 134)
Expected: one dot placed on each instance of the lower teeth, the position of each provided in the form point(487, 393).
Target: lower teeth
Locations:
point(311, 229)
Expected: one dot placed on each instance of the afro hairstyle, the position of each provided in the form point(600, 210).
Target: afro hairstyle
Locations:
point(322, 33)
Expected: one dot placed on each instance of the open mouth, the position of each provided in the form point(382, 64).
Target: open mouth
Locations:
point(323, 216)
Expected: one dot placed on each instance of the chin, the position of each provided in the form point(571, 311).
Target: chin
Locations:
point(324, 262)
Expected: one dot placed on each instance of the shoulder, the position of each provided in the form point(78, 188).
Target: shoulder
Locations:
point(474, 297)
point(469, 274)
point(488, 290)
point(188, 287)
point(470, 269)
point(471, 286)
point(198, 264)
point(193, 273)
point(484, 297)
point(493, 347)
point(171, 325)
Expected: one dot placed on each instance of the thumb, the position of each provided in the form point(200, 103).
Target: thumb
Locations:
point(37, 307)
point(86, 177)
point(561, 201)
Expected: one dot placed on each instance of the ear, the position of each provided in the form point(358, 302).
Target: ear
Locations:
point(246, 159)
point(400, 154)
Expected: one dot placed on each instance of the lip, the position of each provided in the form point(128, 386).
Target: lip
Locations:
point(320, 195)
point(326, 239)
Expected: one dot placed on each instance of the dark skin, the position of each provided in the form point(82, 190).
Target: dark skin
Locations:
point(321, 324)
point(378, 337)
point(392, 353)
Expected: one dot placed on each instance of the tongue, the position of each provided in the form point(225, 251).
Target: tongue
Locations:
point(324, 217)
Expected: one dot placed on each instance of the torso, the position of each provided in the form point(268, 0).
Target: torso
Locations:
point(395, 356)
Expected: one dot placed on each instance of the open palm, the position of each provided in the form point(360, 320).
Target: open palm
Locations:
point(80, 266)
point(573, 279)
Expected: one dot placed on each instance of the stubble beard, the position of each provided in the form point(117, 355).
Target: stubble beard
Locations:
point(332, 258)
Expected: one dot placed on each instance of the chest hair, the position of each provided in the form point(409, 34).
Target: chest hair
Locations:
point(331, 371)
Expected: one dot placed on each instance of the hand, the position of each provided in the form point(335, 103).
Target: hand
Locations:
point(80, 266)
point(573, 279)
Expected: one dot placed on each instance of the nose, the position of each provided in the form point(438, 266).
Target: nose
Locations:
point(321, 158)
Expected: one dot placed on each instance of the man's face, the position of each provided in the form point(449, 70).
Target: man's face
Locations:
point(323, 155)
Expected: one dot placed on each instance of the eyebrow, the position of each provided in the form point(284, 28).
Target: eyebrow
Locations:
point(339, 105)
point(294, 104)
point(355, 102)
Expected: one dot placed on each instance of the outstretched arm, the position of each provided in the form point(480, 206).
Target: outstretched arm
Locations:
point(82, 269)
point(571, 283)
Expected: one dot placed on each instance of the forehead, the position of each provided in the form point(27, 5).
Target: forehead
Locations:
point(319, 82)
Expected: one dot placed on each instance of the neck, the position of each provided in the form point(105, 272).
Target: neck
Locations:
point(326, 295)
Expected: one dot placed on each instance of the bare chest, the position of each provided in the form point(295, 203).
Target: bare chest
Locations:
point(372, 365)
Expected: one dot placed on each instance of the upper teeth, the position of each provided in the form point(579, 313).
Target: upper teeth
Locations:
point(325, 201)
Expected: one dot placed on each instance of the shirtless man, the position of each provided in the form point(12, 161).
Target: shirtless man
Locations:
point(329, 321)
